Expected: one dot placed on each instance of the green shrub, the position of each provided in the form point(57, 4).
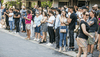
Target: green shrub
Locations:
point(46, 3)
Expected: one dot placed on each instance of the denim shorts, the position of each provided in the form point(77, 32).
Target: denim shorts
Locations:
point(37, 29)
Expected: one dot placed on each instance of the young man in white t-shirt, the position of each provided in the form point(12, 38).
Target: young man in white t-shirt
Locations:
point(10, 15)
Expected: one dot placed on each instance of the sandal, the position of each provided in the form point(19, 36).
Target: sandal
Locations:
point(27, 38)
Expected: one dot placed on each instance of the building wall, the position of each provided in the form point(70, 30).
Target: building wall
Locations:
point(92, 2)
point(55, 3)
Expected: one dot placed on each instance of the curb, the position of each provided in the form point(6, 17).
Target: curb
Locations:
point(69, 53)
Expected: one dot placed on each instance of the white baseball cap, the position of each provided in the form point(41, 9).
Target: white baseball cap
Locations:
point(95, 5)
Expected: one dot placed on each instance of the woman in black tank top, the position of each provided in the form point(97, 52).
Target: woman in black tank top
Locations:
point(83, 36)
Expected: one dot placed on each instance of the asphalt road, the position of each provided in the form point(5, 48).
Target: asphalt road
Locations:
point(11, 46)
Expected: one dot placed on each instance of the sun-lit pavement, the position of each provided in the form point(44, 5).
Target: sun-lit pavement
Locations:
point(13, 45)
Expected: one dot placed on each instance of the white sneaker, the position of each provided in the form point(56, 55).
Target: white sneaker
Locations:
point(38, 39)
point(17, 32)
point(14, 32)
point(49, 44)
point(35, 39)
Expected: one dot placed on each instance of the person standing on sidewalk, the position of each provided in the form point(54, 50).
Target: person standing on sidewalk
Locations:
point(37, 21)
point(17, 19)
point(23, 14)
point(63, 30)
point(99, 34)
point(50, 22)
point(93, 27)
point(28, 23)
point(10, 15)
point(14, 11)
point(83, 36)
point(57, 27)
point(71, 21)
point(7, 19)
point(44, 27)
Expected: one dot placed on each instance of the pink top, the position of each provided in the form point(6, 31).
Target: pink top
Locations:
point(29, 16)
point(99, 19)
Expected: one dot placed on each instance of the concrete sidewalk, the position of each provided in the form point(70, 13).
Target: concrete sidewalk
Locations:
point(69, 53)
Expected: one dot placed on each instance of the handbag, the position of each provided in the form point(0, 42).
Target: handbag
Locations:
point(63, 30)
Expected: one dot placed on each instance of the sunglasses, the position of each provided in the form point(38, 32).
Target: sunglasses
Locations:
point(87, 15)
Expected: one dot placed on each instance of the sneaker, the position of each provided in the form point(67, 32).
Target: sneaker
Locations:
point(35, 39)
point(88, 53)
point(14, 32)
point(72, 49)
point(69, 49)
point(91, 55)
point(10, 31)
point(49, 44)
point(17, 32)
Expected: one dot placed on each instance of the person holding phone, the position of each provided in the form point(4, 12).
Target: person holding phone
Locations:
point(10, 15)
point(63, 30)
point(28, 24)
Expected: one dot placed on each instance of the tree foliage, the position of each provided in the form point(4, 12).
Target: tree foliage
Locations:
point(12, 3)
point(46, 3)
point(2, 1)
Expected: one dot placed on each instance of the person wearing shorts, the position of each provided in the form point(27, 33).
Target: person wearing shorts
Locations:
point(37, 21)
point(93, 28)
point(28, 24)
point(99, 35)
point(83, 36)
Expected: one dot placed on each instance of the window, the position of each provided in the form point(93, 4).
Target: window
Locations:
point(61, 4)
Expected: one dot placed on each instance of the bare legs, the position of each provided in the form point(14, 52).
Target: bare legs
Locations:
point(44, 36)
point(91, 48)
point(84, 51)
point(79, 52)
point(28, 33)
point(37, 34)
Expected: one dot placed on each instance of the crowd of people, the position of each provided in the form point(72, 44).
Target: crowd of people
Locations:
point(58, 22)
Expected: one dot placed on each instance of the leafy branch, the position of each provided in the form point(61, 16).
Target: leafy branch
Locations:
point(2, 1)
point(46, 3)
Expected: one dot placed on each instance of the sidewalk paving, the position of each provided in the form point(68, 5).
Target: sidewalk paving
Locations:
point(69, 53)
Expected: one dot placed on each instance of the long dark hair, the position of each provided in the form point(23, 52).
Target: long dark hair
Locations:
point(94, 13)
point(45, 13)
point(51, 12)
point(28, 11)
point(65, 13)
